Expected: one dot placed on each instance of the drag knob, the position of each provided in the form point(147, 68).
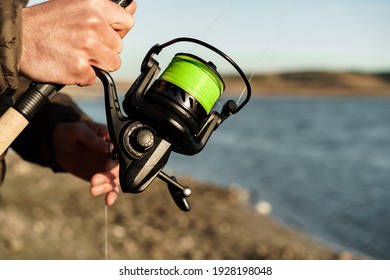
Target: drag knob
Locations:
point(143, 139)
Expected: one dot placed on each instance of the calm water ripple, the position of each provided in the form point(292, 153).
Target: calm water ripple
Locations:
point(323, 164)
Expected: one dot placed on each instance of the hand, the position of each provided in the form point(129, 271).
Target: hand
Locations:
point(63, 39)
point(81, 149)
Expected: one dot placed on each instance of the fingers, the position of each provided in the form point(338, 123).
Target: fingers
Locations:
point(132, 7)
point(97, 190)
point(106, 183)
point(87, 137)
point(110, 190)
point(100, 129)
point(121, 20)
point(106, 55)
point(103, 57)
point(110, 38)
point(111, 197)
point(62, 40)
point(92, 54)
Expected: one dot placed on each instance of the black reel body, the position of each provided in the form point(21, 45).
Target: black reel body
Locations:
point(161, 117)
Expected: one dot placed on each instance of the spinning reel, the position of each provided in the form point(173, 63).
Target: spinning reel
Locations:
point(170, 113)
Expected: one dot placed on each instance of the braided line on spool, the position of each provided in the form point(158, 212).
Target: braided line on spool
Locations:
point(196, 77)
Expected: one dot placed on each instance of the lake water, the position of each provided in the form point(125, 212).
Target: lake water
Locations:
point(323, 165)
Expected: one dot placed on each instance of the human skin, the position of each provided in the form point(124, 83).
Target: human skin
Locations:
point(81, 148)
point(64, 39)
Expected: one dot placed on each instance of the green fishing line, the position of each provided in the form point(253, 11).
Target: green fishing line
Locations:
point(196, 77)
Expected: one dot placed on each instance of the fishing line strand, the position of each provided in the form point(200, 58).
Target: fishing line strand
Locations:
point(106, 232)
point(269, 43)
point(217, 18)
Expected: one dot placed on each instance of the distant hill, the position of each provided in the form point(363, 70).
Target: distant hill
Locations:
point(317, 83)
point(305, 84)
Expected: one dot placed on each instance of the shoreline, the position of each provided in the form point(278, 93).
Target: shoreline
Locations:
point(294, 84)
point(53, 216)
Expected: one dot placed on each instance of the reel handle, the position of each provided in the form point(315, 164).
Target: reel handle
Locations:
point(178, 192)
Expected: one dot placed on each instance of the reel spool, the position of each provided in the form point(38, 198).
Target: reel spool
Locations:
point(188, 89)
point(171, 113)
point(195, 77)
point(184, 94)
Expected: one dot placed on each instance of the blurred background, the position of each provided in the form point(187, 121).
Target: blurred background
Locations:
point(312, 147)
point(298, 35)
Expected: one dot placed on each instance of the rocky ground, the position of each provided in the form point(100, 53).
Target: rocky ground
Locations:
point(52, 216)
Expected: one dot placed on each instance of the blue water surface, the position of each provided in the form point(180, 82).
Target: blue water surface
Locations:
point(323, 165)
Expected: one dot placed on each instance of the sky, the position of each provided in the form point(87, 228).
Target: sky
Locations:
point(265, 35)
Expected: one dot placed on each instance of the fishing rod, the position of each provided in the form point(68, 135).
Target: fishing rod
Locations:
point(18, 116)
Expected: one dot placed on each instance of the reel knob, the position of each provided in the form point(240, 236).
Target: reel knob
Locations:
point(143, 139)
point(138, 139)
